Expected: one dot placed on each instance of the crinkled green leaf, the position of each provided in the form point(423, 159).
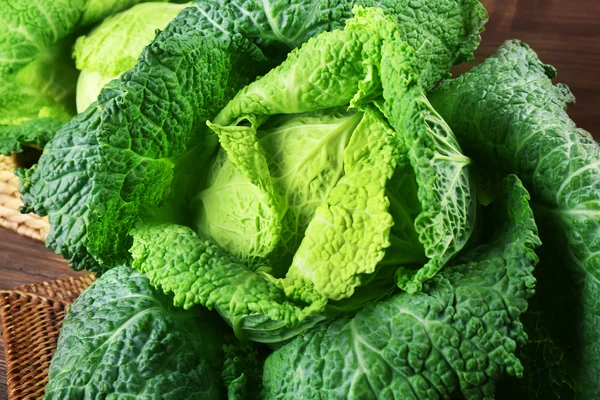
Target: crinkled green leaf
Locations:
point(305, 154)
point(35, 133)
point(113, 47)
point(236, 213)
point(350, 231)
point(31, 26)
point(458, 335)
point(242, 370)
point(445, 191)
point(444, 32)
point(122, 339)
point(252, 227)
point(177, 261)
point(511, 117)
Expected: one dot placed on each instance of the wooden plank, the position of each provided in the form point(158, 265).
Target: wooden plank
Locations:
point(565, 34)
point(24, 261)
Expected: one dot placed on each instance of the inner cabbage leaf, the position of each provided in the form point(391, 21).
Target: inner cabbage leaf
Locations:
point(304, 157)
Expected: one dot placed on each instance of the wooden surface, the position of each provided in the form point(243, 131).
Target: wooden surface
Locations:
point(565, 33)
point(23, 261)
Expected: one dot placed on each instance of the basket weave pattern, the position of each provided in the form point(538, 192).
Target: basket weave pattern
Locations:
point(32, 317)
point(29, 225)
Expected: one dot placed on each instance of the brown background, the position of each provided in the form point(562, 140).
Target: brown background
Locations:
point(565, 33)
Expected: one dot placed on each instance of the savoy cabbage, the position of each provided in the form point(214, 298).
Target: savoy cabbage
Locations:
point(113, 47)
point(281, 164)
point(38, 74)
point(518, 123)
point(124, 335)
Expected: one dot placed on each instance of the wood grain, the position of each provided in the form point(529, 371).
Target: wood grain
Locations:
point(564, 33)
point(23, 261)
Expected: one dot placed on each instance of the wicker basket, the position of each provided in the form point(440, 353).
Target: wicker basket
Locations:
point(32, 317)
point(29, 225)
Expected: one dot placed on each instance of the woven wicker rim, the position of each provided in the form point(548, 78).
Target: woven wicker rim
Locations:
point(32, 317)
point(29, 225)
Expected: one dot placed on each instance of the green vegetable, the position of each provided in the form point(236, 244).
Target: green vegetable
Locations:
point(459, 334)
point(304, 156)
point(38, 100)
point(134, 151)
point(31, 27)
point(350, 230)
point(340, 68)
point(123, 339)
point(37, 72)
point(510, 116)
point(113, 47)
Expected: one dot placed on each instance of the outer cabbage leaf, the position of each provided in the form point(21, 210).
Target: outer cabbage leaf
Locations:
point(31, 27)
point(242, 369)
point(459, 334)
point(92, 185)
point(113, 47)
point(177, 261)
point(510, 116)
point(34, 133)
point(443, 32)
point(122, 339)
